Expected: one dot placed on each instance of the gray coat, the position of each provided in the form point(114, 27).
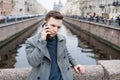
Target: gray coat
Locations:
point(38, 57)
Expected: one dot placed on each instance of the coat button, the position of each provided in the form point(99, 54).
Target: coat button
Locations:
point(42, 62)
point(38, 78)
point(68, 68)
point(64, 57)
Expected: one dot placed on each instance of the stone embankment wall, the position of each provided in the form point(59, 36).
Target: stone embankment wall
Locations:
point(105, 70)
point(8, 30)
point(13, 34)
point(110, 35)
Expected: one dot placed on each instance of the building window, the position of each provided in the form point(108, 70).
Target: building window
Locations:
point(110, 10)
point(116, 10)
point(105, 10)
point(20, 9)
point(113, 11)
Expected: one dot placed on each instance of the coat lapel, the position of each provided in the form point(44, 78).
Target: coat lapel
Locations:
point(46, 50)
point(47, 54)
point(60, 45)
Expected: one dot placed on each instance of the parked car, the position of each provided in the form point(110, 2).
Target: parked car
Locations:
point(10, 18)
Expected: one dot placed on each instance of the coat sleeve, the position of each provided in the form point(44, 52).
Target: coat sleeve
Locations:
point(72, 61)
point(35, 52)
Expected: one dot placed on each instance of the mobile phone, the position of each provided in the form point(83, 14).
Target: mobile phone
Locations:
point(44, 25)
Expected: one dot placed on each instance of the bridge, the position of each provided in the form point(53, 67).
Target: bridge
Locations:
point(13, 34)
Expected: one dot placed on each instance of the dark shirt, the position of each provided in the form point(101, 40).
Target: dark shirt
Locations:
point(55, 73)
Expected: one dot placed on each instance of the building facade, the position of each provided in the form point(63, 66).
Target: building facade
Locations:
point(6, 7)
point(106, 8)
point(58, 6)
point(42, 10)
point(20, 7)
point(68, 7)
point(25, 7)
point(75, 8)
point(34, 7)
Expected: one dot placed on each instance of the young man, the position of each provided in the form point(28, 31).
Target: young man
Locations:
point(47, 52)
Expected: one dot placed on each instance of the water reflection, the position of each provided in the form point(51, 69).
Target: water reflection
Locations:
point(21, 60)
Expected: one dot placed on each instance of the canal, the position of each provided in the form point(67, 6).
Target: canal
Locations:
point(78, 48)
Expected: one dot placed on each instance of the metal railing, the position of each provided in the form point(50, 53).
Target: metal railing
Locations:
point(8, 19)
point(100, 20)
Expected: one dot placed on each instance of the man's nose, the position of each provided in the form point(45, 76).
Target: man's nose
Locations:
point(55, 29)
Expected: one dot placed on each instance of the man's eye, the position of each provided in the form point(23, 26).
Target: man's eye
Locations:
point(59, 27)
point(53, 25)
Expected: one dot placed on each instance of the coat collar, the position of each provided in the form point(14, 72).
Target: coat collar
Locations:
point(60, 45)
point(60, 38)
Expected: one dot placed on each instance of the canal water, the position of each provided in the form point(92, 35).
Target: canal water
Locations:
point(83, 55)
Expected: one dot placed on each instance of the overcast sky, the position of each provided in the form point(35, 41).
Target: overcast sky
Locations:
point(48, 4)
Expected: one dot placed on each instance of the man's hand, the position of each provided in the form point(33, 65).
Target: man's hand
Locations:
point(45, 32)
point(79, 69)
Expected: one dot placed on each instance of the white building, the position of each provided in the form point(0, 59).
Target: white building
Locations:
point(58, 6)
point(68, 7)
point(76, 8)
point(107, 8)
point(34, 7)
point(19, 7)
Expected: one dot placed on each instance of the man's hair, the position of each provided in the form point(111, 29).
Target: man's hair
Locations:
point(54, 14)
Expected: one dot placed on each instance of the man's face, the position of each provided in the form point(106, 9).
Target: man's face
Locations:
point(54, 25)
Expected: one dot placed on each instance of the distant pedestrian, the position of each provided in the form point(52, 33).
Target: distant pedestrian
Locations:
point(97, 18)
point(118, 20)
point(110, 21)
